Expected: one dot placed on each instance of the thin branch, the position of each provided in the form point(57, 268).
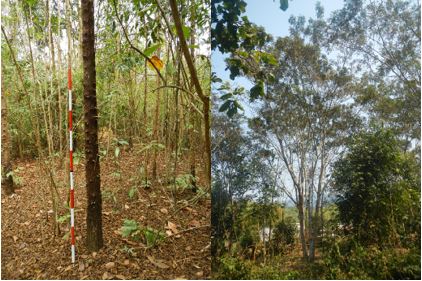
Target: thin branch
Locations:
point(135, 48)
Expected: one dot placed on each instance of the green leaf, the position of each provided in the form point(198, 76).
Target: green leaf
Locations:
point(232, 111)
point(257, 91)
point(129, 226)
point(122, 142)
point(63, 218)
point(225, 106)
point(226, 96)
point(186, 31)
point(150, 50)
point(132, 192)
point(238, 105)
point(284, 4)
point(117, 151)
point(152, 236)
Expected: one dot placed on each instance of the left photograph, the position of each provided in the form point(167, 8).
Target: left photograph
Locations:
point(105, 145)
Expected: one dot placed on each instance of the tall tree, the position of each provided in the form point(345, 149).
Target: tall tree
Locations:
point(94, 238)
point(304, 119)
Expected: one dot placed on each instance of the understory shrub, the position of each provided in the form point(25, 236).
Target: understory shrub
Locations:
point(283, 236)
point(232, 269)
point(350, 260)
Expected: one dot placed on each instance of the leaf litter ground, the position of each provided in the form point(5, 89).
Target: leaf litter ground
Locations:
point(30, 250)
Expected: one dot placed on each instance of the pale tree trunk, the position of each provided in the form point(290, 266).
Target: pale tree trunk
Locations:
point(53, 76)
point(318, 222)
point(191, 131)
point(59, 79)
point(6, 163)
point(204, 98)
point(301, 216)
point(145, 118)
point(156, 125)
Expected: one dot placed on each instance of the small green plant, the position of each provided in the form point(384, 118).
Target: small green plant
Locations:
point(109, 196)
point(17, 180)
point(131, 229)
point(117, 175)
point(64, 219)
point(154, 145)
point(133, 191)
point(184, 182)
point(128, 250)
point(77, 157)
point(232, 269)
point(118, 144)
point(146, 184)
point(153, 237)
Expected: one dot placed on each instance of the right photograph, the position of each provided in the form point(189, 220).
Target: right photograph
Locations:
point(316, 139)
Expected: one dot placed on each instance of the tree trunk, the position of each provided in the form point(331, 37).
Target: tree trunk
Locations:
point(53, 75)
point(94, 238)
point(59, 79)
point(156, 126)
point(301, 216)
point(7, 178)
point(192, 70)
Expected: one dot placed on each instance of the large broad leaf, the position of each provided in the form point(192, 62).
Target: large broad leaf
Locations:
point(284, 4)
point(225, 106)
point(257, 91)
point(129, 226)
point(232, 111)
point(151, 49)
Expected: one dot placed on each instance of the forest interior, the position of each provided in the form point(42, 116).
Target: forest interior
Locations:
point(105, 116)
point(316, 139)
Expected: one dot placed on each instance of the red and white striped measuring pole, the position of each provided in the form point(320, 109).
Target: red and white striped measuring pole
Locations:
point(72, 193)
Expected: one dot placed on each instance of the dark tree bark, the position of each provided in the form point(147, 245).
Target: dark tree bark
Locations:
point(94, 238)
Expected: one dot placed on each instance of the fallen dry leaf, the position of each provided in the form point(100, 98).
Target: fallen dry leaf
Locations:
point(158, 263)
point(81, 266)
point(126, 262)
point(121, 277)
point(172, 227)
point(106, 276)
point(15, 238)
point(109, 265)
point(164, 211)
point(195, 223)
point(199, 273)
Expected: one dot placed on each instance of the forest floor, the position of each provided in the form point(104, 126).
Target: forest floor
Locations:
point(30, 250)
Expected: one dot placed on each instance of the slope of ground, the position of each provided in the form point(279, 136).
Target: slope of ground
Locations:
point(30, 250)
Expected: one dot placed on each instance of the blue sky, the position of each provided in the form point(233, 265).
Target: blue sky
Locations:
point(267, 13)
